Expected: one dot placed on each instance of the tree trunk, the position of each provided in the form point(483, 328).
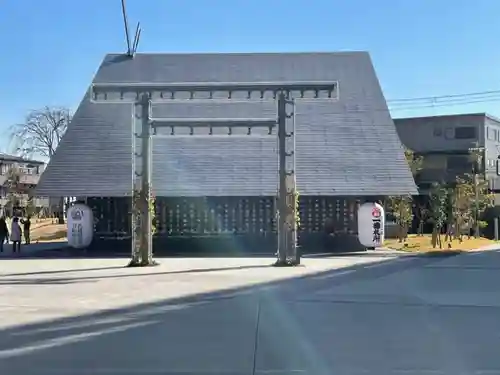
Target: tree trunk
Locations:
point(457, 234)
point(434, 237)
point(60, 215)
point(421, 228)
point(400, 232)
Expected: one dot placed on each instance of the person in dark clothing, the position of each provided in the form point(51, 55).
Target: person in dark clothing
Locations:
point(26, 229)
point(4, 232)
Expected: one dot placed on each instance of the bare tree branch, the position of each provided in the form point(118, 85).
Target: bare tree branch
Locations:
point(40, 135)
point(41, 132)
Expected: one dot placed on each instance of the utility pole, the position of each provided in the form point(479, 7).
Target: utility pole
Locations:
point(477, 168)
point(476, 210)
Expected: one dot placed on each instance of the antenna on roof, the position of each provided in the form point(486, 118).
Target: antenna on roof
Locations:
point(131, 47)
point(136, 37)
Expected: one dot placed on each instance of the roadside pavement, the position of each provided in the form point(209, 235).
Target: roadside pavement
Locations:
point(32, 249)
point(359, 314)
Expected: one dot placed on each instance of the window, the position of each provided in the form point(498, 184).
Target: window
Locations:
point(492, 134)
point(434, 161)
point(459, 163)
point(465, 132)
point(449, 133)
point(438, 131)
point(4, 169)
point(425, 186)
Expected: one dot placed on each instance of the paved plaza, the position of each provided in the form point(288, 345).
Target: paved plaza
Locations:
point(370, 313)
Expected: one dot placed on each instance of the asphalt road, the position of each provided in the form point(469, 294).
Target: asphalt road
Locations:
point(370, 314)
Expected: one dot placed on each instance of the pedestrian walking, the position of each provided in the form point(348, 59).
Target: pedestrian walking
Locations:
point(26, 229)
point(4, 233)
point(15, 235)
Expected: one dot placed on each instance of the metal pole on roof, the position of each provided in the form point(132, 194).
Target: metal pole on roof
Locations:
point(125, 22)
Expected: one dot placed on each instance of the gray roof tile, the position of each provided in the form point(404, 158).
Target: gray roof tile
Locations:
point(344, 147)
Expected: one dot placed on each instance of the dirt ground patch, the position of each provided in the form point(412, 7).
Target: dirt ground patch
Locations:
point(46, 230)
point(53, 232)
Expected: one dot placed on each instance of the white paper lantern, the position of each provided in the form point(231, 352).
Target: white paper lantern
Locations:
point(371, 224)
point(80, 226)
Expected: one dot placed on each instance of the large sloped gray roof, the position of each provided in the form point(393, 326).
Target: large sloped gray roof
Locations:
point(347, 146)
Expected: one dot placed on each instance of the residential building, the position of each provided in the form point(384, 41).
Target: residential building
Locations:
point(28, 172)
point(213, 184)
point(444, 142)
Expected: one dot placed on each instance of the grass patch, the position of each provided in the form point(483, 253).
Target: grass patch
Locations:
point(423, 243)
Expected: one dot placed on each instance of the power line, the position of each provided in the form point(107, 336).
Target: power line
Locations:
point(441, 97)
point(442, 104)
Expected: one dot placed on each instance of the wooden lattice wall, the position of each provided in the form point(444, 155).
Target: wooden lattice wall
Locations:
point(246, 224)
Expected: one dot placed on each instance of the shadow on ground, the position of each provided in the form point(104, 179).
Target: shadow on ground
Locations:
point(4, 279)
point(248, 330)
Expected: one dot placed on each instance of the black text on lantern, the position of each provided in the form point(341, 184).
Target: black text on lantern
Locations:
point(376, 224)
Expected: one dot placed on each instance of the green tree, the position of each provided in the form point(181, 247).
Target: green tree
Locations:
point(401, 207)
point(470, 198)
point(482, 198)
point(422, 213)
point(30, 208)
point(13, 185)
point(438, 198)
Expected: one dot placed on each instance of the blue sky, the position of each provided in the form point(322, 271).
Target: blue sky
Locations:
point(420, 48)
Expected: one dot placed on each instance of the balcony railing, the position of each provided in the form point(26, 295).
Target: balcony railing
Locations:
point(428, 176)
point(29, 179)
point(38, 202)
point(436, 175)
